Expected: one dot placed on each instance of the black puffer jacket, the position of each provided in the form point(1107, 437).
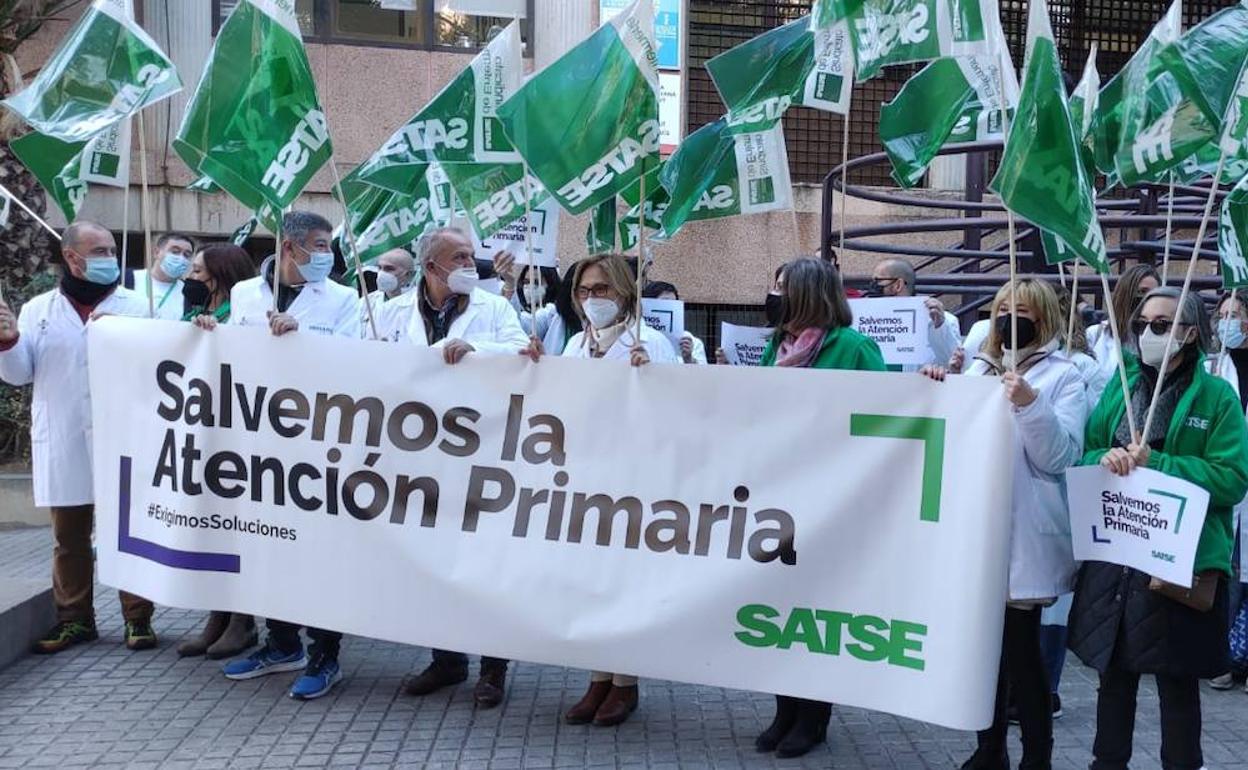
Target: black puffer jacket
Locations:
point(1116, 618)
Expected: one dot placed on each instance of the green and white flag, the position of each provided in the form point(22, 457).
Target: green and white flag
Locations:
point(106, 69)
point(828, 13)
point(600, 234)
point(1041, 177)
point(57, 165)
point(255, 125)
point(1082, 118)
point(1207, 61)
point(950, 100)
point(650, 216)
point(793, 64)
point(589, 122)
point(1126, 94)
point(902, 31)
point(1233, 237)
point(493, 194)
point(459, 125)
point(106, 158)
point(382, 219)
point(718, 172)
point(244, 231)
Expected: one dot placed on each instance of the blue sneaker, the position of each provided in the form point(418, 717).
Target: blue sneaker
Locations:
point(318, 678)
point(264, 661)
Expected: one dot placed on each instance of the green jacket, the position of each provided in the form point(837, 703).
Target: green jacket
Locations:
point(843, 348)
point(1206, 444)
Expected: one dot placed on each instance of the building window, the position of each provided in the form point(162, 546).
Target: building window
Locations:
point(410, 24)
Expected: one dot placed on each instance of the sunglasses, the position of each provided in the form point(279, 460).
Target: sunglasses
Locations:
point(1160, 326)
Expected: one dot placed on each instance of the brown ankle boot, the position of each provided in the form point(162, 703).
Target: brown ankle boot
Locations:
point(239, 635)
point(583, 712)
point(620, 702)
point(212, 631)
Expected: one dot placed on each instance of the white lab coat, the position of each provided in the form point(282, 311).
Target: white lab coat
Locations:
point(51, 352)
point(657, 346)
point(167, 296)
point(488, 323)
point(975, 338)
point(322, 307)
point(1048, 440)
point(379, 300)
point(546, 324)
point(944, 340)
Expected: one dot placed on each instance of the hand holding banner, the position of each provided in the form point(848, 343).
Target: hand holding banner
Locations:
point(1148, 520)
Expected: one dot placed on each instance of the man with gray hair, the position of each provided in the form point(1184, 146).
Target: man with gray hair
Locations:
point(307, 302)
point(896, 278)
point(306, 299)
point(447, 310)
point(46, 345)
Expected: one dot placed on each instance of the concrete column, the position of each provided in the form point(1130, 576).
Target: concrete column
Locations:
point(184, 31)
point(560, 24)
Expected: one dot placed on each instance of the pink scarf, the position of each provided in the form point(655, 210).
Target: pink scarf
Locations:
point(800, 350)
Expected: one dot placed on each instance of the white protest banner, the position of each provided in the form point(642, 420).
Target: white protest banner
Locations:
point(1148, 520)
point(544, 232)
point(370, 488)
point(666, 316)
point(743, 345)
point(899, 325)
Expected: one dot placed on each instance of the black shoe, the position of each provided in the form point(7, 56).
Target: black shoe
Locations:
point(1057, 706)
point(139, 635)
point(490, 687)
point(786, 715)
point(64, 635)
point(436, 676)
point(987, 760)
point(810, 730)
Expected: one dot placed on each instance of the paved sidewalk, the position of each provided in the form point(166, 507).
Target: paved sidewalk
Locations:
point(99, 704)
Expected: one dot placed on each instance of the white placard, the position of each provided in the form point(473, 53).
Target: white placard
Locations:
point(1147, 520)
point(495, 509)
point(671, 130)
point(743, 345)
point(544, 233)
point(504, 8)
point(899, 325)
point(666, 316)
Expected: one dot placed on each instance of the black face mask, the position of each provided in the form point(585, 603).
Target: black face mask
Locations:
point(195, 294)
point(1026, 331)
point(82, 291)
point(772, 306)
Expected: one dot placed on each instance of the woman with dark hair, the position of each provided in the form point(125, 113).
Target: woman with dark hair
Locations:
point(1125, 623)
point(545, 308)
point(206, 302)
point(1133, 284)
point(214, 271)
point(814, 330)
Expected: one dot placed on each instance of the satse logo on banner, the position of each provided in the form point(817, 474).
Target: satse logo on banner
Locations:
point(1147, 520)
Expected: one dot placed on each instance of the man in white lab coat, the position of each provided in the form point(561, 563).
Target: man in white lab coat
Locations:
point(448, 311)
point(171, 261)
point(47, 345)
point(307, 303)
point(395, 270)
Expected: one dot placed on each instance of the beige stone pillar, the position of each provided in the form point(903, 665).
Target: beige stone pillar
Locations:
point(560, 24)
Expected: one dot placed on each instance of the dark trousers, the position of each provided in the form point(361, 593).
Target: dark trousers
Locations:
point(1115, 720)
point(1053, 649)
point(73, 569)
point(1023, 677)
point(452, 659)
point(285, 637)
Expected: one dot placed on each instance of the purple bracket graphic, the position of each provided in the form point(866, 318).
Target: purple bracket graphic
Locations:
point(1097, 539)
point(145, 549)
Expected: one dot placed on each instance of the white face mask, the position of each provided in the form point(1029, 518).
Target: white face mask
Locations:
point(387, 282)
point(1153, 348)
point(463, 280)
point(601, 312)
point(534, 295)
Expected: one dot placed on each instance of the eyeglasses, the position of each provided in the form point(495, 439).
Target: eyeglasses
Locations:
point(1160, 326)
point(597, 291)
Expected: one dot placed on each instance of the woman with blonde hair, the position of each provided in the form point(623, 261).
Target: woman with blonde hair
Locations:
point(1047, 400)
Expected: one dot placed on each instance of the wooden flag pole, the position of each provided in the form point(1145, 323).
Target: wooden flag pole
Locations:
point(1165, 259)
point(1009, 220)
point(641, 244)
point(277, 258)
point(528, 247)
point(125, 207)
point(146, 215)
point(9, 194)
point(1187, 285)
point(1074, 302)
point(355, 252)
point(844, 175)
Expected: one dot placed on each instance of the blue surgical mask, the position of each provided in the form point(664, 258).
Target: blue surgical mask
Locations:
point(102, 270)
point(1231, 332)
point(174, 265)
point(318, 267)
